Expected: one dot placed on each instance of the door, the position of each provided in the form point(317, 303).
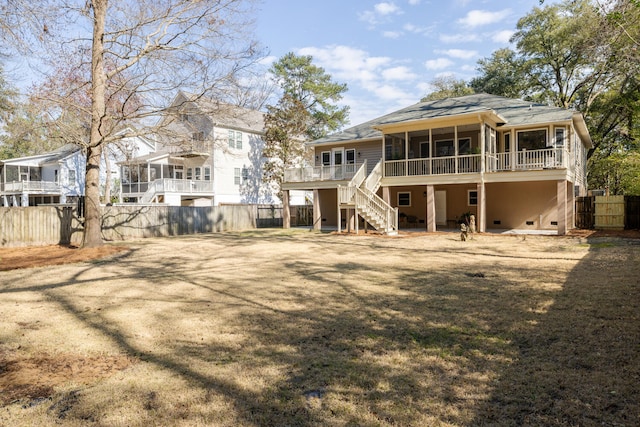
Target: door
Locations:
point(441, 207)
point(337, 155)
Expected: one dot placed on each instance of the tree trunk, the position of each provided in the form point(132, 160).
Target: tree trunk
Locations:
point(107, 167)
point(286, 214)
point(92, 211)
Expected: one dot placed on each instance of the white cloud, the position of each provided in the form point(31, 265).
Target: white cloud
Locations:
point(458, 38)
point(458, 53)
point(502, 36)
point(347, 63)
point(380, 13)
point(391, 34)
point(386, 8)
point(414, 2)
point(438, 64)
point(417, 30)
point(477, 18)
point(399, 73)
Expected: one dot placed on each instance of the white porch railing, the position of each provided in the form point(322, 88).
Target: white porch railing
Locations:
point(321, 173)
point(375, 210)
point(547, 158)
point(184, 186)
point(373, 180)
point(469, 163)
point(31, 187)
point(359, 176)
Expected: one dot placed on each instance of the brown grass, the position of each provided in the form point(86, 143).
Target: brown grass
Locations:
point(298, 328)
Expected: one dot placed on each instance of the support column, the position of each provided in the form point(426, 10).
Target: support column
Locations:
point(431, 209)
point(317, 213)
point(481, 222)
point(571, 206)
point(24, 202)
point(562, 207)
point(286, 213)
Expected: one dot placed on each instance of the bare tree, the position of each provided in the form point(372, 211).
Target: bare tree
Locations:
point(133, 57)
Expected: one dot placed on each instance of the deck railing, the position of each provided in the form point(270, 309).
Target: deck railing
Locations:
point(31, 187)
point(322, 173)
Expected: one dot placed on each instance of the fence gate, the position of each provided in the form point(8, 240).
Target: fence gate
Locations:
point(302, 215)
point(585, 212)
point(609, 212)
point(632, 212)
point(269, 216)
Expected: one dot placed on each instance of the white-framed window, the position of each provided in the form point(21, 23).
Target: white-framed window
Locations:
point(326, 158)
point(404, 198)
point(245, 175)
point(197, 136)
point(198, 171)
point(207, 173)
point(350, 156)
point(532, 139)
point(464, 146)
point(445, 148)
point(189, 173)
point(235, 139)
point(559, 140)
point(72, 177)
point(472, 197)
point(237, 176)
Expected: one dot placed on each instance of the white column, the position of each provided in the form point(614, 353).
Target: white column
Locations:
point(562, 207)
point(481, 223)
point(431, 209)
point(317, 213)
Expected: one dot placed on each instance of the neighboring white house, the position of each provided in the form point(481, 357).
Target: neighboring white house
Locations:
point(212, 156)
point(54, 177)
point(59, 176)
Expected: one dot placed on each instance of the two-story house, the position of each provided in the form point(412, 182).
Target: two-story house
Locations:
point(210, 153)
point(59, 175)
point(511, 163)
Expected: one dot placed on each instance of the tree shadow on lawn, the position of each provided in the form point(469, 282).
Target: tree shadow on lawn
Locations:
point(359, 343)
point(580, 365)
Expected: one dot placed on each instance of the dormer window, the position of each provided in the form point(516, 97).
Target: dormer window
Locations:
point(197, 136)
point(184, 117)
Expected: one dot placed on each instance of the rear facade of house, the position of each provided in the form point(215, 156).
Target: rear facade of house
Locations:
point(512, 164)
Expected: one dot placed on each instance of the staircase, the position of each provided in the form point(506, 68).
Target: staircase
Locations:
point(150, 194)
point(360, 195)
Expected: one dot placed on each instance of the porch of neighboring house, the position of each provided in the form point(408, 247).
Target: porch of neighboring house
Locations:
point(175, 179)
point(24, 185)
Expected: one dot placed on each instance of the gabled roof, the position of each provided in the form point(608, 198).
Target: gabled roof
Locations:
point(510, 113)
point(227, 115)
point(49, 157)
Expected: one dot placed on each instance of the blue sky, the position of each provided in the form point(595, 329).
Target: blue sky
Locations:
point(388, 51)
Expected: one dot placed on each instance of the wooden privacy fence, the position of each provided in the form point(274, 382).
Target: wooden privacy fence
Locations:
point(608, 212)
point(46, 225)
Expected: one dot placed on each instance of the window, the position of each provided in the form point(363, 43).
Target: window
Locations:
point(207, 173)
point(445, 148)
point(72, 177)
point(232, 139)
point(245, 175)
point(184, 117)
point(198, 173)
point(237, 176)
point(235, 139)
point(472, 197)
point(464, 146)
point(197, 136)
point(189, 173)
point(559, 137)
point(404, 199)
point(532, 139)
point(507, 142)
point(326, 158)
point(350, 156)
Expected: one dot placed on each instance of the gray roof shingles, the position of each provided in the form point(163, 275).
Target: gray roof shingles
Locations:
point(516, 112)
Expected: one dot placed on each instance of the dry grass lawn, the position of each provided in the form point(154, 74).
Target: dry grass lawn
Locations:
point(298, 328)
